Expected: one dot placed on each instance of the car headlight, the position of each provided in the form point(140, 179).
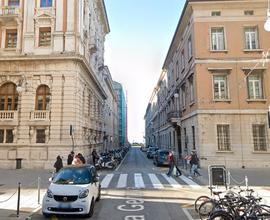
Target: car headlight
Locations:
point(49, 193)
point(84, 194)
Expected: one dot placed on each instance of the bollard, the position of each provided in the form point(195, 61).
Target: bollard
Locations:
point(229, 178)
point(246, 181)
point(39, 190)
point(18, 202)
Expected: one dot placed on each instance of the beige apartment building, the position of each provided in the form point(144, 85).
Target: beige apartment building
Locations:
point(213, 93)
point(51, 96)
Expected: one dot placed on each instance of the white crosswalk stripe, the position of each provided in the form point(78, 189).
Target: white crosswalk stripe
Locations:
point(122, 181)
point(106, 181)
point(172, 181)
point(155, 181)
point(138, 180)
point(191, 183)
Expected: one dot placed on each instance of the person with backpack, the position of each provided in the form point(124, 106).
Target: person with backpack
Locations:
point(194, 162)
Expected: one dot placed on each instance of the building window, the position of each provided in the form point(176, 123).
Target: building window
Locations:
point(183, 97)
point(46, 3)
point(6, 136)
point(177, 70)
point(191, 88)
point(13, 2)
point(189, 48)
point(259, 137)
point(251, 38)
point(11, 38)
point(223, 136)
point(8, 97)
point(249, 12)
point(43, 98)
point(215, 13)
point(193, 138)
point(218, 38)
point(220, 87)
point(40, 136)
point(44, 37)
point(255, 86)
point(183, 60)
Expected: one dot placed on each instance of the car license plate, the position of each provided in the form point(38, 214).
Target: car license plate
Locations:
point(64, 205)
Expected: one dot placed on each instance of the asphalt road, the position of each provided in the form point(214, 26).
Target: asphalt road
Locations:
point(139, 199)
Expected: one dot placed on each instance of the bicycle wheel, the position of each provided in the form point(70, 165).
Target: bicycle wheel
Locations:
point(221, 216)
point(206, 208)
point(261, 209)
point(263, 216)
point(199, 201)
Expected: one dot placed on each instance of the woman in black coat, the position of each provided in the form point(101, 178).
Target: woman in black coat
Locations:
point(58, 164)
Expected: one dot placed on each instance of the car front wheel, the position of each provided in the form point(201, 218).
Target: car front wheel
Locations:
point(99, 193)
point(91, 210)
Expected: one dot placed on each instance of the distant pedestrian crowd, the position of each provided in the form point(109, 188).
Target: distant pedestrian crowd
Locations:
point(72, 159)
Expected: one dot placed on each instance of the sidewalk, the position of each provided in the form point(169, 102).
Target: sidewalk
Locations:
point(258, 179)
point(9, 180)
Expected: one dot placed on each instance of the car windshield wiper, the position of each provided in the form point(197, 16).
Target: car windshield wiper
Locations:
point(64, 181)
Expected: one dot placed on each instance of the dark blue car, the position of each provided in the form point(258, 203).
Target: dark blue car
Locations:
point(161, 158)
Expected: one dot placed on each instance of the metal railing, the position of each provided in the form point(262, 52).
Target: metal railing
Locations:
point(174, 114)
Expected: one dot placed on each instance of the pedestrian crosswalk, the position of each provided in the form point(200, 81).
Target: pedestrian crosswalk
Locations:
point(145, 181)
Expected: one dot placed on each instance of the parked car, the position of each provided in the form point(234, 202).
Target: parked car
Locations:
point(73, 191)
point(151, 151)
point(161, 158)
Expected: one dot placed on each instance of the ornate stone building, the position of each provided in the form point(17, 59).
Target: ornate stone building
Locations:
point(213, 93)
point(51, 98)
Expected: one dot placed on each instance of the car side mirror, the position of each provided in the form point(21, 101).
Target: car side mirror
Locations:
point(51, 179)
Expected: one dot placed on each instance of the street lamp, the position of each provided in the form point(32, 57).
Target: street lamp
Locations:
point(267, 23)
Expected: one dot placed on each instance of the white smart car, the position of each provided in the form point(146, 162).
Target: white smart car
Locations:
point(73, 191)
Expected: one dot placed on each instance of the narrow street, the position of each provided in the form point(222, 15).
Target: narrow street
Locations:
point(139, 190)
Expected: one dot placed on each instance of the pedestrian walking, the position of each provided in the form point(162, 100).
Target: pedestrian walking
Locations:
point(194, 162)
point(58, 164)
point(95, 156)
point(70, 158)
point(173, 165)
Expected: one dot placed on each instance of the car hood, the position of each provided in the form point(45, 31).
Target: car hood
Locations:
point(65, 189)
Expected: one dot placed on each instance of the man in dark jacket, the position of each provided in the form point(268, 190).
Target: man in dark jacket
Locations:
point(95, 156)
point(70, 158)
point(194, 162)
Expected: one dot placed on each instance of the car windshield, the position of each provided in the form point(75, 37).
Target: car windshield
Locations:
point(73, 176)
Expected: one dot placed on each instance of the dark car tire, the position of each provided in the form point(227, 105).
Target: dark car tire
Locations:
point(91, 210)
point(99, 193)
point(46, 215)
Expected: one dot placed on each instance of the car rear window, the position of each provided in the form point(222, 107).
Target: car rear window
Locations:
point(73, 176)
point(164, 153)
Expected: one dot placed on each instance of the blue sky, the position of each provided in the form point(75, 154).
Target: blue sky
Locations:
point(135, 49)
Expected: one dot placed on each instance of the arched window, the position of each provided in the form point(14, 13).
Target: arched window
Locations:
point(8, 97)
point(43, 97)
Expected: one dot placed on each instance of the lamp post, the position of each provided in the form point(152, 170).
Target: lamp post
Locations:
point(267, 23)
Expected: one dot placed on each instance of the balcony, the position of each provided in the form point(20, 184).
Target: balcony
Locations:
point(7, 12)
point(8, 118)
point(173, 117)
point(40, 117)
